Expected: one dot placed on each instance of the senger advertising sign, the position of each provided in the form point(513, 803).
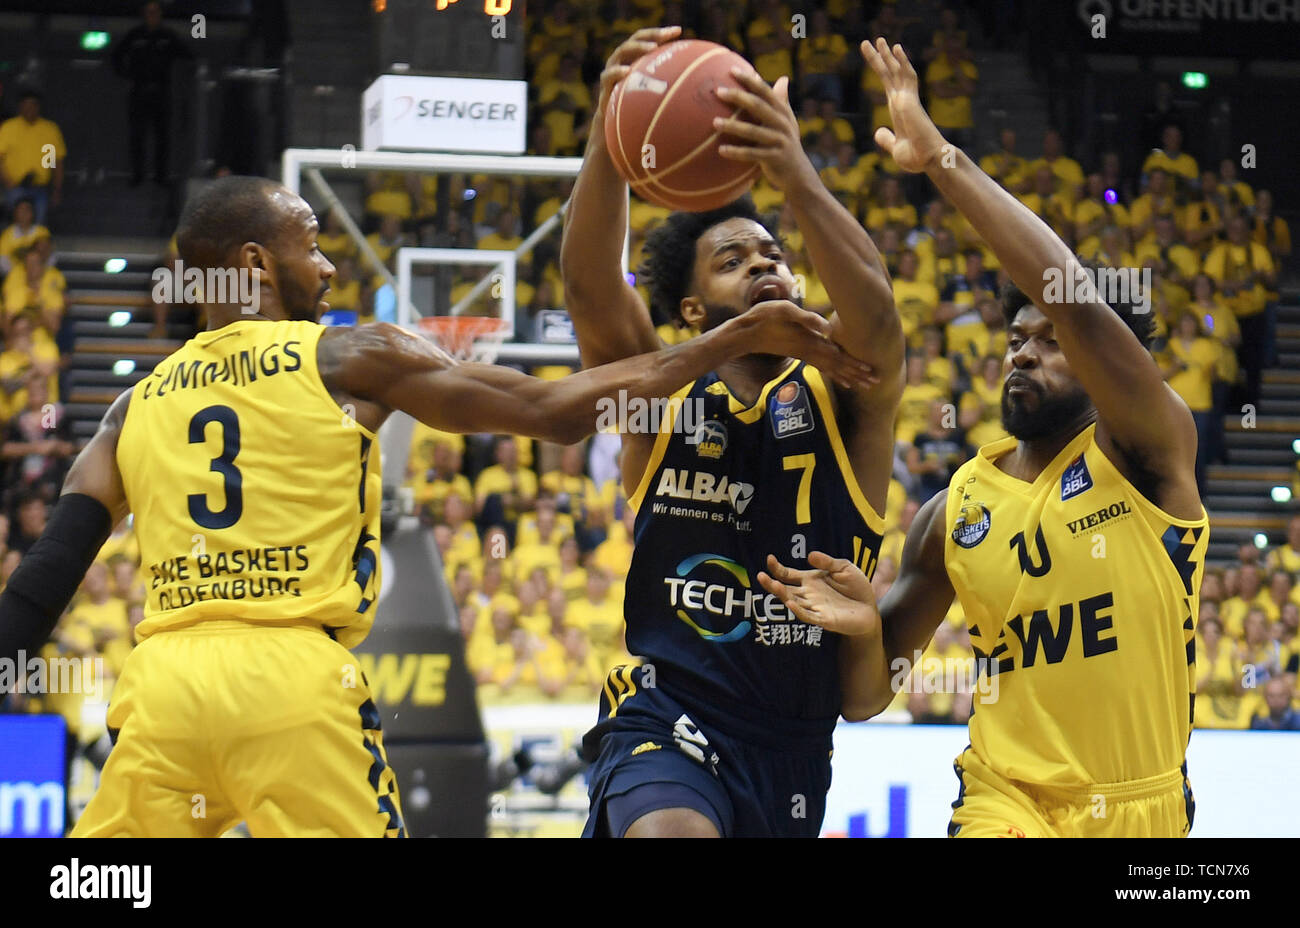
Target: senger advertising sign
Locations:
point(448, 114)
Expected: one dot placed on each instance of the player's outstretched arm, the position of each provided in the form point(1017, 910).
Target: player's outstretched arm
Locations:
point(387, 366)
point(836, 595)
point(92, 502)
point(846, 260)
point(609, 317)
point(1144, 419)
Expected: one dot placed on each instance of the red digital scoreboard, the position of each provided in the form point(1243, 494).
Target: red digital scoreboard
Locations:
point(452, 38)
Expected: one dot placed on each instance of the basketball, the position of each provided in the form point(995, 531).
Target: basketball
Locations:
point(659, 127)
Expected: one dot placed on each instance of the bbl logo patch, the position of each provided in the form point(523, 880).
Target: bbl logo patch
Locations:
point(972, 525)
point(710, 439)
point(791, 414)
point(1076, 479)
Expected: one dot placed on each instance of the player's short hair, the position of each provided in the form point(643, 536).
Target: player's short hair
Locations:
point(669, 265)
point(1142, 325)
point(221, 217)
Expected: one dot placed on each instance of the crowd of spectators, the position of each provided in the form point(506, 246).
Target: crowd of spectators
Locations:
point(36, 445)
point(1248, 639)
point(535, 553)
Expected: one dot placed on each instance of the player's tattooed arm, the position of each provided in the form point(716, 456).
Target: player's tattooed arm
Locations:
point(94, 472)
point(836, 595)
point(609, 317)
point(384, 367)
point(1139, 416)
point(847, 262)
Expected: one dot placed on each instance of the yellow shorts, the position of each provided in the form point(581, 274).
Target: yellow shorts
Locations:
point(228, 722)
point(990, 806)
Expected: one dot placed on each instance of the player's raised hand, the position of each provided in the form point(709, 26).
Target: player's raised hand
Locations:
point(782, 328)
point(835, 594)
point(915, 141)
point(770, 135)
point(642, 42)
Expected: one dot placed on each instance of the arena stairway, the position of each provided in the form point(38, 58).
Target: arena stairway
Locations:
point(1239, 494)
point(112, 316)
point(1012, 99)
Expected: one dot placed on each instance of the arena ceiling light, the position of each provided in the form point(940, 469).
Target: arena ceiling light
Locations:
point(1261, 540)
point(123, 366)
point(115, 265)
point(119, 318)
point(93, 41)
point(1195, 80)
point(1281, 494)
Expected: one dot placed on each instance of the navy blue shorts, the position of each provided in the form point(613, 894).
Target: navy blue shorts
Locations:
point(750, 780)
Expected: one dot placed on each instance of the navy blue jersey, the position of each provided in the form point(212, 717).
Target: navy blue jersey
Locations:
point(726, 486)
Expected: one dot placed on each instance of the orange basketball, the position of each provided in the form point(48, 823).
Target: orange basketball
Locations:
point(659, 127)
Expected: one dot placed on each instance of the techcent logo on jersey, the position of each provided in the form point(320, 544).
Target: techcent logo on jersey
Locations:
point(713, 599)
point(702, 603)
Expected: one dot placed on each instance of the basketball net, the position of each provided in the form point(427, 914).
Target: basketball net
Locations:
point(466, 338)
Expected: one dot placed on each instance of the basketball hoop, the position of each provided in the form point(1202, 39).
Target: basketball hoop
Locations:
point(466, 338)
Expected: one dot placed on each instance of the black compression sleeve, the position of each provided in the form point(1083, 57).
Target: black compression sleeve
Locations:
point(48, 576)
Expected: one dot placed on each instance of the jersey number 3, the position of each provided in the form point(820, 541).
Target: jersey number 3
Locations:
point(223, 464)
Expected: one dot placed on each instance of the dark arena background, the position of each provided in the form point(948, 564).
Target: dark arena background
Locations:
point(438, 141)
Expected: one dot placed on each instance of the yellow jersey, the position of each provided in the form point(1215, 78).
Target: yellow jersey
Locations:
point(950, 112)
point(1081, 597)
point(256, 496)
point(1195, 383)
point(24, 146)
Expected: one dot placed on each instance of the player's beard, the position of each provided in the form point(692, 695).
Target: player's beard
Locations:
point(303, 306)
point(717, 313)
point(1053, 413)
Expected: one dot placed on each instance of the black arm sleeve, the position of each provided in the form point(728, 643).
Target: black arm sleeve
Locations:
point(46, 579)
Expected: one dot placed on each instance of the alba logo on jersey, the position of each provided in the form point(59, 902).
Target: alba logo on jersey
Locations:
point(709, 439)
point(698, 601)
point(791, 414)
point(704, 487)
